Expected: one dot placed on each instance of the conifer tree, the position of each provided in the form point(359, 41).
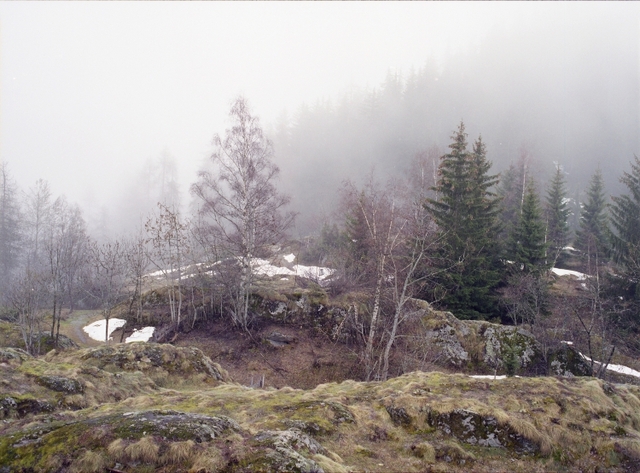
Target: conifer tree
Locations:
point(591, 237)
point(557, 216)
point(625, 220)
point(465, 211)
point(10, 221)
point(527, 243)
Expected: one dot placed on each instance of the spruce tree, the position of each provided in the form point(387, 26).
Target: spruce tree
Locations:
point(557, 216)
point(10, 231)
point(466, 214)
point(625, 220)
point(591, 237)
point(510, 192)
point(527, 242)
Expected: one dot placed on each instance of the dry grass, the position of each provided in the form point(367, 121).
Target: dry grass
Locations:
point(329, 465)
point(179, 452)
point(208, 461)
point(89, 462)
point(144, 450)
point(425, 451)
point(116, 449)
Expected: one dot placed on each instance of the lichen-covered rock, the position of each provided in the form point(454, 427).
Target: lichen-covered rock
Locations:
point(501, 341)
point(480, 346)
point(316, 417)
point(63, 343)
point(285, 451)
point(171, 425)
point(13, 355)
point(21, 406)
point(147, 356)
point(399, 416)
point(61, 384)
point(484, 431)
point(566, 361)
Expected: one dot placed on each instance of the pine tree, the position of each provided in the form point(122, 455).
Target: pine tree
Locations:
point(510, 193)
point(625, 220)
point(10, 222)
point(466, 214)
point(591, 237)
point(557, 216)
point(527, 242)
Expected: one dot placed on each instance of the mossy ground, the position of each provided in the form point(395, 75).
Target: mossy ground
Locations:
point(567, 424)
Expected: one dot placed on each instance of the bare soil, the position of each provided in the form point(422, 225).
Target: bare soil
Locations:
point(309, 360)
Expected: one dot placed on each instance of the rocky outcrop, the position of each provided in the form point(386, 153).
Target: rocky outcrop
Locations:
point(481, 346)
point(151, 358)
point(417, 422)
point(485, 431)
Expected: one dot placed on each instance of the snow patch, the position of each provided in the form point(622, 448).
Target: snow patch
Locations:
point(317, 273)
point(142, 335)
point(96, 330)
point(290, 258)
point(488, 376)
point(568, 272)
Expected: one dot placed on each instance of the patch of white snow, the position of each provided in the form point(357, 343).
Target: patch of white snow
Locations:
point(568, 272)
point(142, 335)
point(96, 330)
point(487, 376)
point(290, 258)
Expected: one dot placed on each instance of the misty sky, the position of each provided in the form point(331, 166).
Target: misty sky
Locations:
point(89, 91)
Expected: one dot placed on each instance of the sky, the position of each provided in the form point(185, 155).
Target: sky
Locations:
point(91, 90)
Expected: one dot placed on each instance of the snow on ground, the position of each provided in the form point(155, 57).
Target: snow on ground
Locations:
point(624, 370)
point(488, 376)
point(568, 272)
point(264, 268)
point(96, 329)
point(617, 368)
point(317, 273)
point(142, 335)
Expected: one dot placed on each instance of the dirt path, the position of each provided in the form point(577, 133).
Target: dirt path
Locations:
point(74, 323)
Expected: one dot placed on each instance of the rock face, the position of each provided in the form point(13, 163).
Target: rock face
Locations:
point(150, 357)
point(170, 425)
point(484, 431)
point(285, 451)
point(417, 422)
point(481, 346)
point(61, 384)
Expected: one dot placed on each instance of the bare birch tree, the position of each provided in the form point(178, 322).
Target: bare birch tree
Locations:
point(108, 263)
point(169, 239)
point(240, 202)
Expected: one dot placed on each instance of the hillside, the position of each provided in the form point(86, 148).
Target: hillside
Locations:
point(149, 407)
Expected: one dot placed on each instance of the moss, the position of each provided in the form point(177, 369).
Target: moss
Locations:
point(476, 429)
point(316, 417)
point(170, 425)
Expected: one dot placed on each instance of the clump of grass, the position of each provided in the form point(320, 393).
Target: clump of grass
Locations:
point(527, 430)
point(329, 465)
point(424, 450)
point(89, 462)
point(208, 461)
point(144, 450)
point(451, 451)
point(116, 449)
point(178, 452)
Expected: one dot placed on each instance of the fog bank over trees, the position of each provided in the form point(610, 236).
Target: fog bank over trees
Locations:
point(564, 91)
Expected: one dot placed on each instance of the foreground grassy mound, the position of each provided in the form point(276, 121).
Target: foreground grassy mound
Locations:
point(132, 410)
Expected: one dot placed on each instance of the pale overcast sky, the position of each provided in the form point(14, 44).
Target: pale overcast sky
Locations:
point(89, 91)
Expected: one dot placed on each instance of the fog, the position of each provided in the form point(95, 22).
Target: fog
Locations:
point(114, 103)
